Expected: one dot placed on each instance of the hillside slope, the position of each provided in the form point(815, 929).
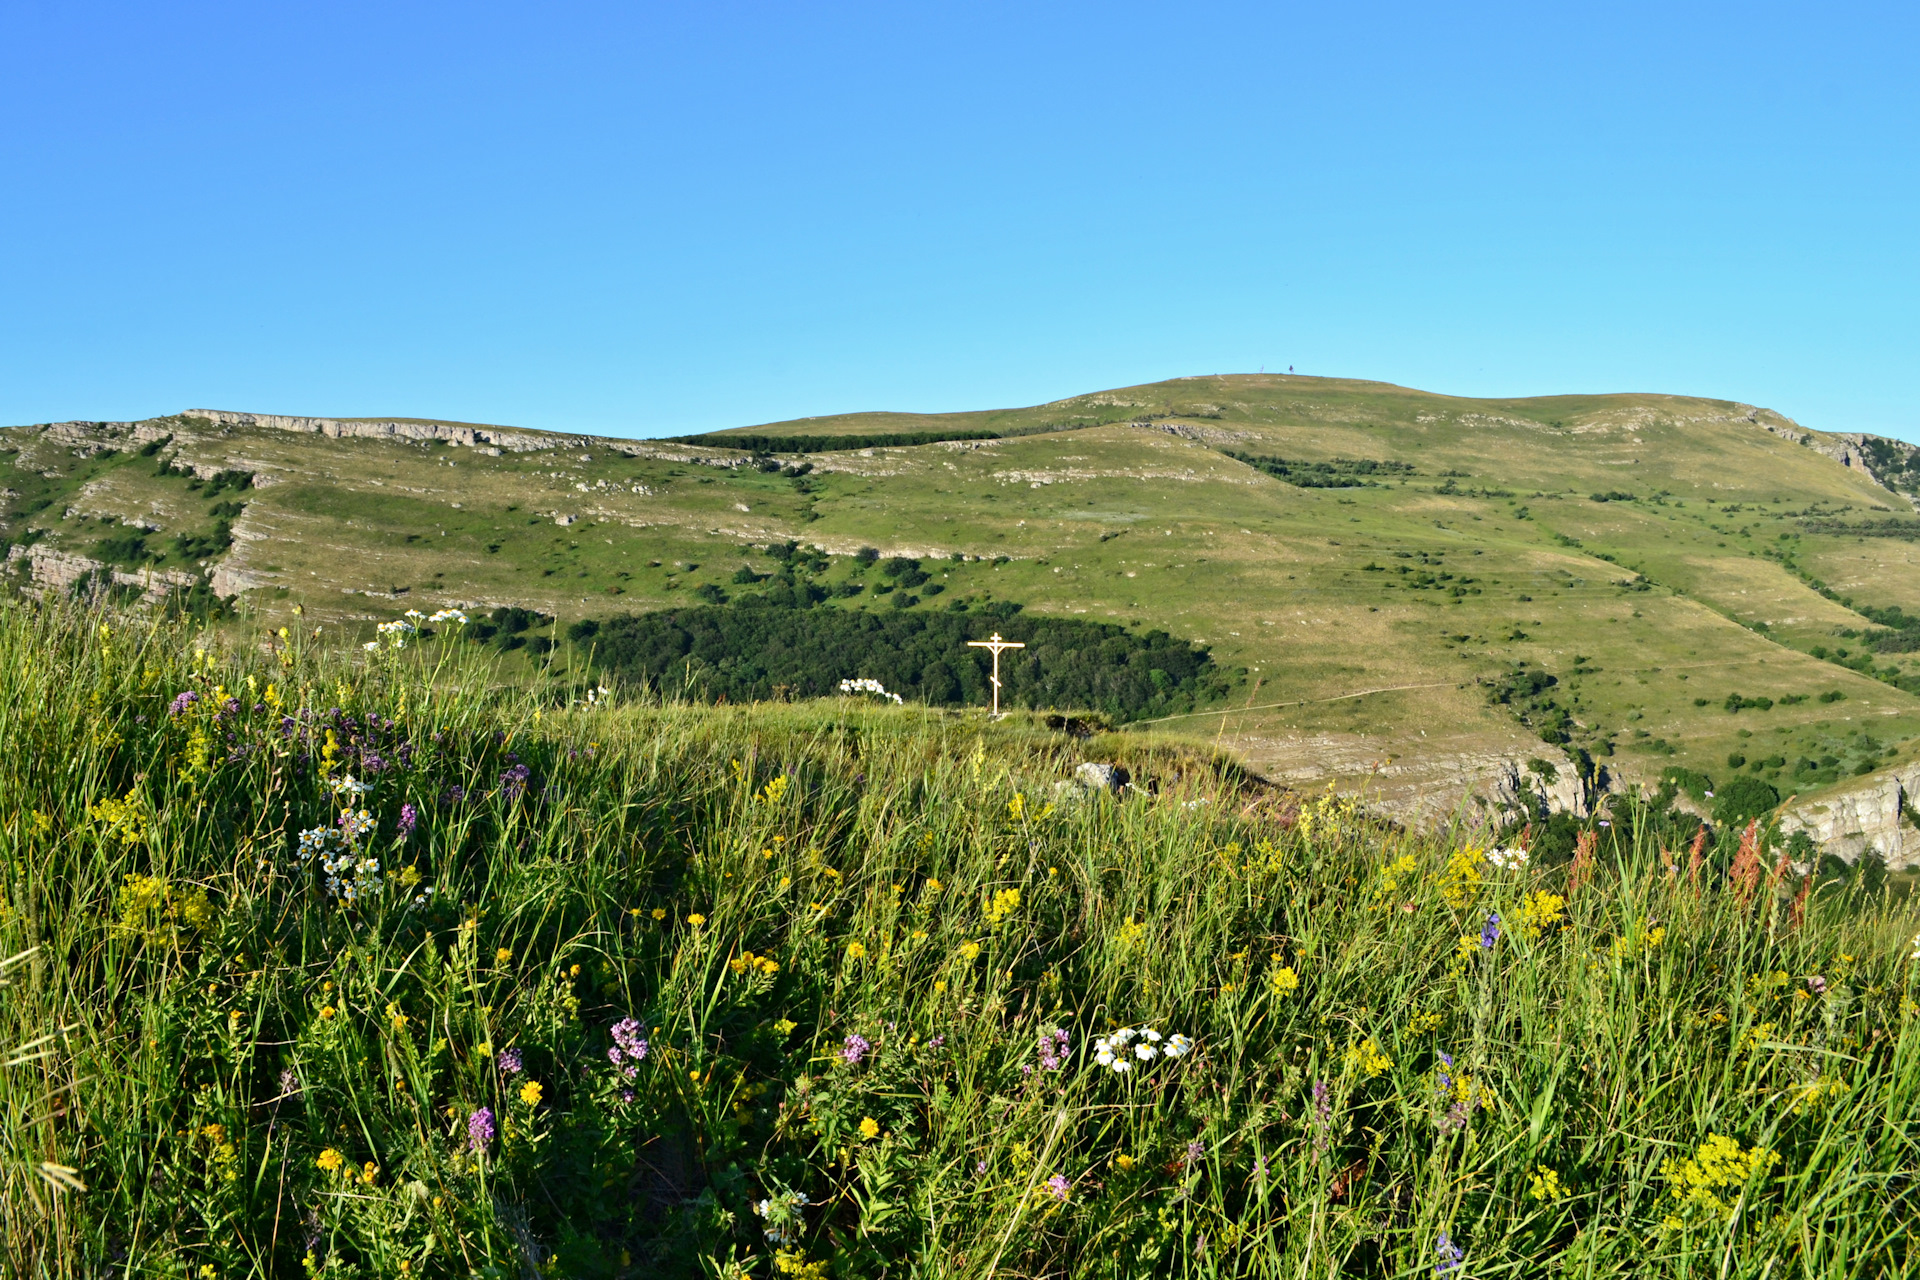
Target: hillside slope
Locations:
point(1425, 592)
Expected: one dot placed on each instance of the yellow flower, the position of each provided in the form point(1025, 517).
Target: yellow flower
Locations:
point(1124, 1162)
point(659, 913)
point(1545, 1184)
point(939, 988)
point(696, 919)
point(331, 1161)
point(969, 951)
point(503, 957)
point(1461, 876)
point(933, 886)
point(1541, 911)
point(326, 1012)
point(1281, 978)
point(530, 1093)
point(368, 1172)
point(1003, 904)
point(1718, 1167)
point(855, 951)
point(869, 1128)
point(1367, 1058)
point(396, 1018)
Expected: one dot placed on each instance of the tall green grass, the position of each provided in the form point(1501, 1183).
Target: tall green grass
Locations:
point(870, 951)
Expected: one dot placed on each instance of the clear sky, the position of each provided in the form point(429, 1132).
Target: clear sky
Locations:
point(648, 219)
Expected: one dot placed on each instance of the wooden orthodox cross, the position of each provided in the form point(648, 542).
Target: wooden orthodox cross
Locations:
point(996, 644)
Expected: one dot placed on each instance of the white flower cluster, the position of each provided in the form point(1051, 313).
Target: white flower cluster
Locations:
point(395, 633)
point(782, 1213)
point(1916, 948)
point(1117, 1050)
point(349, 786)
point(350, 875)
point(454, 616)
point(1508, 859)
point(599, 696)
point(864, 685)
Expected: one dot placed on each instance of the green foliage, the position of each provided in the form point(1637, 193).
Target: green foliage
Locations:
point(1743, 798)
point(1695, 784)
point(826, 443)
point(1339, 473)
point(754, 652)
point(870, 951)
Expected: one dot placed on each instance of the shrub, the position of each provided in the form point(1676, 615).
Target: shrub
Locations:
point(1742, 799)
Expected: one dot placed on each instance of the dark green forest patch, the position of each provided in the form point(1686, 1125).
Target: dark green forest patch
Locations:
point(757, 652)
point(1341, 473)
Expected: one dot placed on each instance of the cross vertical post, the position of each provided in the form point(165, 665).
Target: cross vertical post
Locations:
point(996, 644)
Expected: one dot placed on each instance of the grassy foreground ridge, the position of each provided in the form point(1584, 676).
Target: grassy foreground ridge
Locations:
point(322, 962)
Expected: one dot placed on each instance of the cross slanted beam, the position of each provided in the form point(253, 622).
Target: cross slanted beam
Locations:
point(996, 644)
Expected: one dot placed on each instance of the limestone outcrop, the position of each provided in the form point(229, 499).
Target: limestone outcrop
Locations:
point(1880, 814)
point(487, 439)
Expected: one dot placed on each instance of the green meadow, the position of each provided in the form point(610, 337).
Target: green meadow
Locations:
point(322, 961)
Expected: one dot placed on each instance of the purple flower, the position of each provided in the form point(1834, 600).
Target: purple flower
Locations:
point(1443, 1076)
point(1260, 1167)
point(1447, 1255)
point(1322, 1118)
point(1196, 1151)
point(180, 704)
point(1058, 1186)
point(1053, 1049)
point(513, 781)
point(480, 1129)
point(1817, 985)
point(628, 1047)
point(626, 1095)
point(937, 1041)
point(510, 1061)
point(409, 818)
point(854, 1049)
point(1490, 932)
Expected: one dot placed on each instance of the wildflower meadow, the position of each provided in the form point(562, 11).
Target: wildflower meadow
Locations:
point(344, 961)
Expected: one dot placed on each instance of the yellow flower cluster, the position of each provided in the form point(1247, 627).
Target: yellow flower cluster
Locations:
point(1718, 1169)
point(530, 1093)
point(1367, 1058)
point(1540, 912)
point(791, 1262)
point(1002, 905)
point(1281, 979)
point(1461, 876)
point(869, 1128)
point(1545, 1185)
point(747, 962)
point(151, 908)
point(1639, 941)
point(774, 792)
point(331, 1161)
point(125, 820)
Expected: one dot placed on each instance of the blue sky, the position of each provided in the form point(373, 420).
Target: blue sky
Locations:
point(643, 219)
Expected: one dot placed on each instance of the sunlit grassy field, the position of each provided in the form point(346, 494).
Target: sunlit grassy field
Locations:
point(326, 962)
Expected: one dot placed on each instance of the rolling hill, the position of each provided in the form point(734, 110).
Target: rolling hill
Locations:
point(1409, 593)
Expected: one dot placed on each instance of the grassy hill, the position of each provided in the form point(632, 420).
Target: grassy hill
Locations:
point(1410, 592)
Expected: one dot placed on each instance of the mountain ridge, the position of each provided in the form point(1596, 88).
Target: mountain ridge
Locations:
point(1417, 551)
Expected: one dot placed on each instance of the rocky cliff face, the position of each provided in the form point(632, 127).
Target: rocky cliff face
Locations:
point(53, 571)
point(1881, 814)
point(493, 439)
